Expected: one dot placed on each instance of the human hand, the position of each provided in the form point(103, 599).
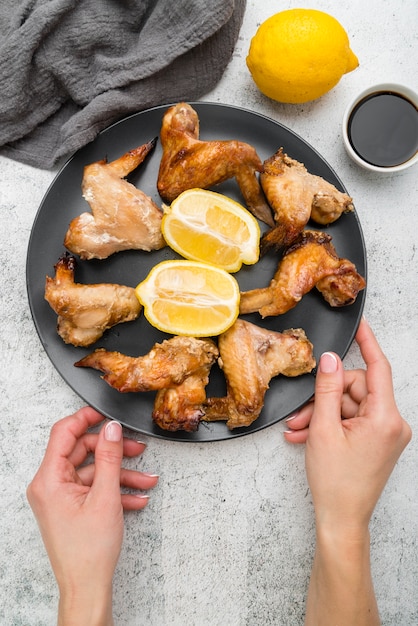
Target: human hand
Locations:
point(79, 509)
point(349, 460)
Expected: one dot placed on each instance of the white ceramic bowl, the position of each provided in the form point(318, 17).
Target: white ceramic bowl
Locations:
point(402, 90)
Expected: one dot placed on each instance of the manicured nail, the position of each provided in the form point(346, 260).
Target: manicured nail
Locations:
point(142, 443)
point(291, 417)
point(328, 363)
point(113, 431)
point(142, 496)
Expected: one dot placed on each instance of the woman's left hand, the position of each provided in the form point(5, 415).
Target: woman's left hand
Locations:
point(79, 507)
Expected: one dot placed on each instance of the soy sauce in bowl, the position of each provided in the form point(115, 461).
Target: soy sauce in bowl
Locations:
point(383, 129)
point(380, 128)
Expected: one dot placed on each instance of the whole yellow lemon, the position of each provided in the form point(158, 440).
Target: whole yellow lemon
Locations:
point(299, 54)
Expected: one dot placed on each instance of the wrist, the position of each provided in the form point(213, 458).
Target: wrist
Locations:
point(341, 587)
point(341, 526)
point(342, 534)
point(344, 556)
point(85, 607)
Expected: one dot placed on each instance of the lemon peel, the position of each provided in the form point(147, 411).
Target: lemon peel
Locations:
point(298, 55)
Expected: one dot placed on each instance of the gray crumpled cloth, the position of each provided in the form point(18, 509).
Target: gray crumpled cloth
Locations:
point(69, 68)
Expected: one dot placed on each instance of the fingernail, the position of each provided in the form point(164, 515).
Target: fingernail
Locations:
point(141, 496)
point(113, 431)
point(151, 475)
point(328, 363)
point(142, 443)
point(291, 417)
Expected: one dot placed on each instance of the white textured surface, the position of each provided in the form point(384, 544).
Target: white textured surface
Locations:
point(228, 536)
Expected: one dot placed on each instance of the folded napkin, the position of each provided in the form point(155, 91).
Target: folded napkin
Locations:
point(69, 68)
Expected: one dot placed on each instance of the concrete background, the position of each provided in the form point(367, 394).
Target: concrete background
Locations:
point(228, 535)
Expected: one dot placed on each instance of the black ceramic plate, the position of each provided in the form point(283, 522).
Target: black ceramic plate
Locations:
point(327, 328)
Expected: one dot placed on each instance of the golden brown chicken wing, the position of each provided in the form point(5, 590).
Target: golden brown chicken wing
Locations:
point(250, 357)
point(122, 218)
point(86, 311)
point(311, 261)
point(188, 162)
point(296, 196)
point(167, 364)
point(180, 407)
point(178, 367)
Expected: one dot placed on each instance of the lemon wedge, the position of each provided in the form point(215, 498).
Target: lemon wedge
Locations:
point(189, 298)
point(206, 226)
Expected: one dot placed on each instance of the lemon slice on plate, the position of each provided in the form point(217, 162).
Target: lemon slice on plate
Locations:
point(206, 226)
point(189, 298)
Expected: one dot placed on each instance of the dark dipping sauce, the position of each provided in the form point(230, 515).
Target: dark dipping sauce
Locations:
point(383, 129)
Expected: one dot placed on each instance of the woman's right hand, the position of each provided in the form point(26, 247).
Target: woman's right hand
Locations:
point(354, 435)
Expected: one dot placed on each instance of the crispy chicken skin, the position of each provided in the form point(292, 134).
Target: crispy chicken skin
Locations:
point(296, 196)
point(122, 218)
point(178, 368)
point(166, 364)
point(180, 407)
point(188, 162)
point(250, 357)
point(311, 261)
point(86, 311)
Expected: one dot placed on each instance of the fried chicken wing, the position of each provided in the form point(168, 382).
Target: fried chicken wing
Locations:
point(168, 363)
point(188, 162)
point(122, 218)
point(180, 407)
point(296, 196)
point(178, 368)
point(311, 261)
point(250, 357)
point(86, 311)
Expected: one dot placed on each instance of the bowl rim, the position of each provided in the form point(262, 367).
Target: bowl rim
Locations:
point(402, 90)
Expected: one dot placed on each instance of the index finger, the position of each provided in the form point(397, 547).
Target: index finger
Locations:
point(379, 372)
point(66, 432)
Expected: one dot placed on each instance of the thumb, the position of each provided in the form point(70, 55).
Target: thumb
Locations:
point(108, 458)
point(328, 391)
